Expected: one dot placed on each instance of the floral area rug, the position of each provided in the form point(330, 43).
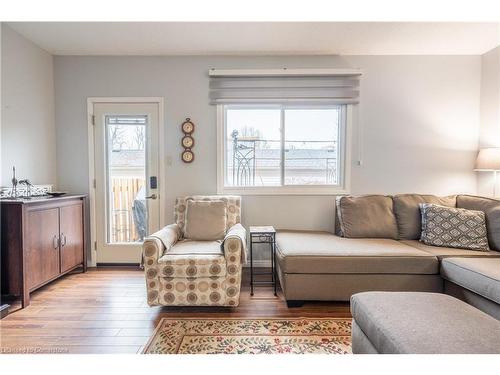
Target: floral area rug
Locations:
point(251, 336)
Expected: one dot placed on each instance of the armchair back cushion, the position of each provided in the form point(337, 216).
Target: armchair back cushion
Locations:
point(233, 208)
point(205, 220)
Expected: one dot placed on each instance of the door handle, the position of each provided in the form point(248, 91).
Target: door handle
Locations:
point(152, 196)
point(55, 242)
point(63, 239)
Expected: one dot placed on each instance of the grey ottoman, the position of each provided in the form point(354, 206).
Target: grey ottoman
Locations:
point(420, 323)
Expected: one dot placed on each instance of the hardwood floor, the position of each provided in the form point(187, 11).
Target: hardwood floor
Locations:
point(105, 311)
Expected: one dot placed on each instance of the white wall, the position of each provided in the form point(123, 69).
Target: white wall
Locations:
point(28, 130)
point(419, 117)
point(489, 135)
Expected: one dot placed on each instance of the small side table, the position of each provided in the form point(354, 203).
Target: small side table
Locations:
point(263, 235)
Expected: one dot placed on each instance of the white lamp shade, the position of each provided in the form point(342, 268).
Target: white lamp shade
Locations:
point(488, 159)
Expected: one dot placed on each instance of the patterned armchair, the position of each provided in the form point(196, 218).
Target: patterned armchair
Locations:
point(184, 272)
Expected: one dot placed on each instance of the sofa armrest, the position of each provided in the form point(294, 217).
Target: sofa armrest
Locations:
point(234, 245)
point(160, 242)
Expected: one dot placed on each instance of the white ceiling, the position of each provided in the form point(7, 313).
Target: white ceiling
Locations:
point(218, 38)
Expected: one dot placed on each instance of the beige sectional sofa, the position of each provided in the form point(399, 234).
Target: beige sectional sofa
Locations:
point(325, 266)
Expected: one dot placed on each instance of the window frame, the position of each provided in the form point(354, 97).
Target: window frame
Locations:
point(344, 165)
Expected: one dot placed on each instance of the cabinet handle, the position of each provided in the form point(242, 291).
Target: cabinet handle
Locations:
point(63, 241)
point(55, 242)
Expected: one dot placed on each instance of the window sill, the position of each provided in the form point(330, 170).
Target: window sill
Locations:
point(286, 190)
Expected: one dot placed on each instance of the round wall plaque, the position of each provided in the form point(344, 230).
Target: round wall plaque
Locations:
point(187, 156)
point(187, 141)
point(188, 126)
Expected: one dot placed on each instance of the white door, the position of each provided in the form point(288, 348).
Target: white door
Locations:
point(127, 201)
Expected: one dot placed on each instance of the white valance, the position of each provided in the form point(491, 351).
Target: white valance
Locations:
point(336, 86)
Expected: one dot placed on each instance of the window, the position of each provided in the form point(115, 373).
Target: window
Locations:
point(283, 149)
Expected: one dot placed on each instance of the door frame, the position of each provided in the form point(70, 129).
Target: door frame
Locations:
point(91, 101)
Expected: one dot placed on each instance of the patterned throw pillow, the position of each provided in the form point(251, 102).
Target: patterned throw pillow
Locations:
point(453, 227)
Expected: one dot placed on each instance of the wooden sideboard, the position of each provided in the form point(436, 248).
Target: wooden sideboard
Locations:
point(42, 239)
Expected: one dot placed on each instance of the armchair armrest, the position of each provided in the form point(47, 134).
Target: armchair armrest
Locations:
point(152, 249)
point(234, 244)
point(160, 242)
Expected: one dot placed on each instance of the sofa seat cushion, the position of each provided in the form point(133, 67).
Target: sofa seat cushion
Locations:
point(424, 323)
point(193, 259)
point(323, 252)
point(444, 252)
point(479, 275)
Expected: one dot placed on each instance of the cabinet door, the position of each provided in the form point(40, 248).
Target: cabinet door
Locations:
point(42, 249)
point(71, 236)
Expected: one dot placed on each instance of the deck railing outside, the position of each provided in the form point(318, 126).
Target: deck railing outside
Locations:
point(257, 162)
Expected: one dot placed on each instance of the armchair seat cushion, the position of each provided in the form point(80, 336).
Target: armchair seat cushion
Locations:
point(186, 247)
point(193, 259)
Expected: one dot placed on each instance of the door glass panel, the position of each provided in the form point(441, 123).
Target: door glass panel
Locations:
point(126, 210)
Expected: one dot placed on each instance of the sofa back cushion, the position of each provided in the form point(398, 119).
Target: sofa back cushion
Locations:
point(205, 220)
point(369, 216)
point(407, 211)
point(453, 227)
point(491, 208)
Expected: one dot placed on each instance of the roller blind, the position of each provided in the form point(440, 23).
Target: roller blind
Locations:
point(336, 86)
